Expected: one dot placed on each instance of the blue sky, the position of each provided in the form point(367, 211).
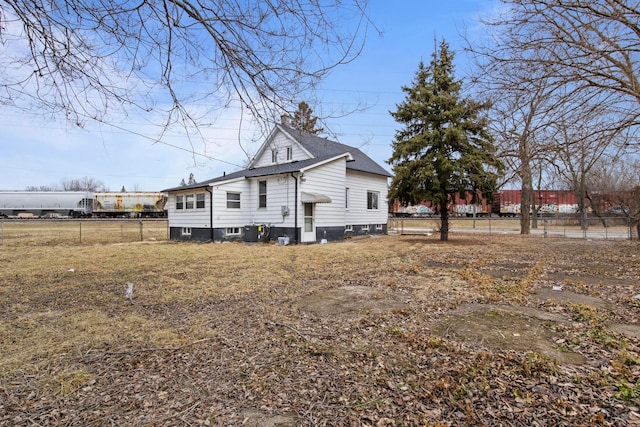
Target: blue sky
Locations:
point(39, 152)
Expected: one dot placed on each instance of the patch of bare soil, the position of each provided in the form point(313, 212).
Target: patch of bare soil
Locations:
point(507, 328)
point(630, 331)
point(563, 296)
point(254, 418)
point(348, 302)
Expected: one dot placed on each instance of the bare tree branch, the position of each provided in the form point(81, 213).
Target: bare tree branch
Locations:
point(86, 58)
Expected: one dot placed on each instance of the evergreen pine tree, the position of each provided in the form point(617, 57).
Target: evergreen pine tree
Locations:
point(444, 148)
point(304, 121)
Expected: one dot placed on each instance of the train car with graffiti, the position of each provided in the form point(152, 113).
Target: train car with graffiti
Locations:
point(129, 204)
point(506, 203)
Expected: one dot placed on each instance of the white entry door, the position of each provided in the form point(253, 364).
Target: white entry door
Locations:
point(309, 227)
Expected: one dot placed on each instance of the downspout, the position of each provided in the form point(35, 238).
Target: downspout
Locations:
point(295, 210)
point(210, 212)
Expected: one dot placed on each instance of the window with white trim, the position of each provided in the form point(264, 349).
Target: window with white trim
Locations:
point(378, 226)
point(274, 156)
point(372, 200)
point(262, 194)
point(289, 153)
point(365, 227)
point(179, 203)
point(346, 198)
point(200, 201)
point(233, 231)
point(186, 231)
point(233, 200)
point(348, 228)
point(188, 201)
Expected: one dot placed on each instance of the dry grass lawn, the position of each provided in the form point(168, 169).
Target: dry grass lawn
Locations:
point(393, 330)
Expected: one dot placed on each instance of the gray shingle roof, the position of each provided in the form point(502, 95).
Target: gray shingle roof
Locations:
point(321, 148)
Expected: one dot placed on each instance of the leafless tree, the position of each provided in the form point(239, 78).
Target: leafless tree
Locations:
point(614, 185)
point(525, 101)
point(184, 59)
point(82, 184)
point(583, 138)
point(42, 188)
point(521, 111)
point(596, 44)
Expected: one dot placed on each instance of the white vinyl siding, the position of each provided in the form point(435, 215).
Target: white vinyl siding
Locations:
point(280, 191)
point(196, 216)
point(360, 183)
point(224, 217)
point(280, 143)
point(328, 179)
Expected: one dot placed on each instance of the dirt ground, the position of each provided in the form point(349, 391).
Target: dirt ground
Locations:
point(385, 331)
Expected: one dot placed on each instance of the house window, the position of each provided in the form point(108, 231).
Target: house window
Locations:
point(233, 200)
point(274, 156)
point(233, 231)
point(200, 201)
point(348, 228)
point(378, 226)
point(262, 194)
point(179, 203)
point(372, 200)
point(186, 231)
point(365, 227)
point(188, 201)
point(289, 153)
point(346, 198)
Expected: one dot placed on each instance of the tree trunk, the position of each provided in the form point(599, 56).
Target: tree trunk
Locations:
point(525, 200)
point(444, 222)
point(534, 210)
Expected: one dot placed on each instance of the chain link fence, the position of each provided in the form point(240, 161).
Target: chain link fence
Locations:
point(85, 231)
point(569, 227)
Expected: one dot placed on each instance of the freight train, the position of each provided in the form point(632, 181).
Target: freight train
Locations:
point(82, 204)
point(506, 203)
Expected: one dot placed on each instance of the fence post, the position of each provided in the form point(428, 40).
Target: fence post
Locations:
point(2, 227)
point(141, 230)
point(80, 222)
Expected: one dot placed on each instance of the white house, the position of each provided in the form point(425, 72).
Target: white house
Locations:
point(299, 187)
